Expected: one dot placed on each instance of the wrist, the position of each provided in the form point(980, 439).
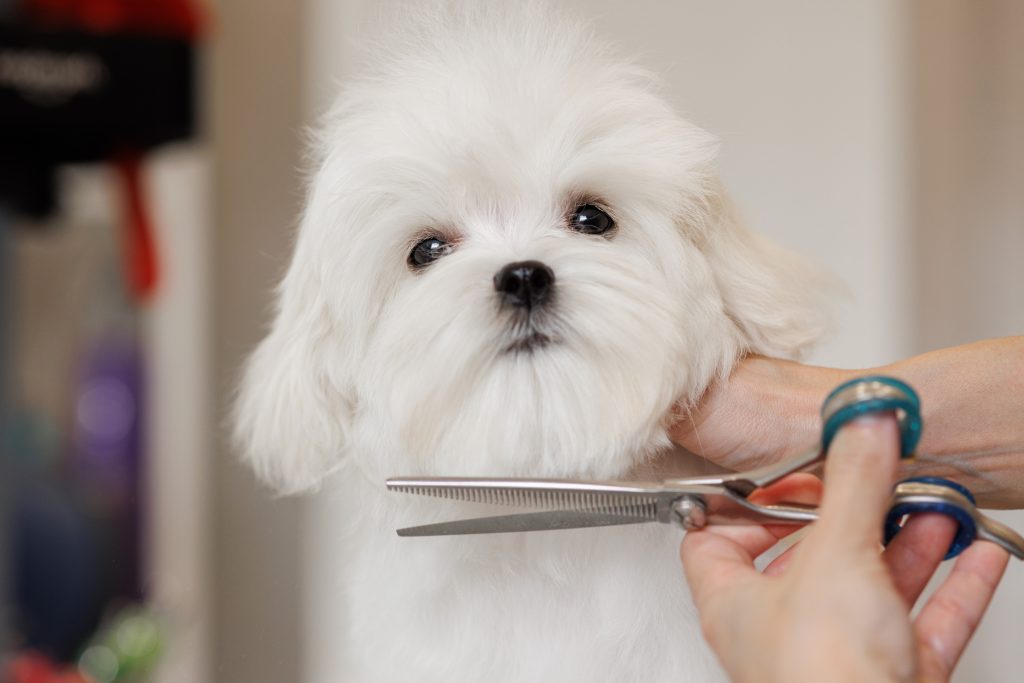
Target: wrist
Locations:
point(970, 402)
point(774, 408)
point(794, 393)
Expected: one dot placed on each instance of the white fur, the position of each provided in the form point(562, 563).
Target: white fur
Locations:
point(487, 126)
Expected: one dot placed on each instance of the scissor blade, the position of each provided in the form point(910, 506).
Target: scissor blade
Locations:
point(612, 498)
point(529, 521)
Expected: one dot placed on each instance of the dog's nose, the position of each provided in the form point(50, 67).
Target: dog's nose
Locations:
point(525, 283)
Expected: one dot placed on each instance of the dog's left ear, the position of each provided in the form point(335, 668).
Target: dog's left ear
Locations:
point(290, 419)
point(777, 300)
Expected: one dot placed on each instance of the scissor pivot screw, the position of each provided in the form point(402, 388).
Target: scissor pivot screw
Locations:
point(689, 513)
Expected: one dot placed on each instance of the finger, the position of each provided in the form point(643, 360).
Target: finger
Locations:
point(916, 552)
point(779, 565)
point(713, 564)
point(859, 474)
point(950, 617)
point(796, 488)
point(719, 555)
point(723, 583)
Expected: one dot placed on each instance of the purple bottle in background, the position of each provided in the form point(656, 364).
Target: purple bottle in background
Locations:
point(107, 441)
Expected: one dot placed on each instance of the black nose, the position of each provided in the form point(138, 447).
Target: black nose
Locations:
point(525, 283)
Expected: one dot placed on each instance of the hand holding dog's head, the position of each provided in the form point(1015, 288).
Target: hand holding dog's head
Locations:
point(514, 260)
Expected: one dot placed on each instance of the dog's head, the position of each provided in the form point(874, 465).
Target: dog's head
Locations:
point(514, 260)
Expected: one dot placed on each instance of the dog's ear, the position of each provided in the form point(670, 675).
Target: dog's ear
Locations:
point(778, 302)
point(290, 419)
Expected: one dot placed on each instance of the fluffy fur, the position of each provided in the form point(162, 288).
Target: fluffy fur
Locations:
point(487, 127)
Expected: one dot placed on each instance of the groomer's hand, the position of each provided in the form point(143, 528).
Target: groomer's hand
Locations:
point(835, 608)
point(767, 409)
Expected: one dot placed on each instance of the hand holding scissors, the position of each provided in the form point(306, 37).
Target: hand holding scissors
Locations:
point(833, 608)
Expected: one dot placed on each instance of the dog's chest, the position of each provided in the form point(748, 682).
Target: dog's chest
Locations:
point(587, 605)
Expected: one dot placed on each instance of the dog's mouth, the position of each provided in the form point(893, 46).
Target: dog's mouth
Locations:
point(529, 343)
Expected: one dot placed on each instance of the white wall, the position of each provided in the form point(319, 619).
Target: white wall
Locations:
point(177, 342)
point(968, 168)
point(255, 124)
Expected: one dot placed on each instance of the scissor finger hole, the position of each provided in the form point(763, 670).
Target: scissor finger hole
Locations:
point(965, 533)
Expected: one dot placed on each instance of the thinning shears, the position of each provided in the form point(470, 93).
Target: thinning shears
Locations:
point(695, 502)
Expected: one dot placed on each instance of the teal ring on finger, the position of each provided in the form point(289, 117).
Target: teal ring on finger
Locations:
point(871, 395)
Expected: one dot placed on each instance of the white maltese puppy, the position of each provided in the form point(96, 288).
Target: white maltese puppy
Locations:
point(514, 261)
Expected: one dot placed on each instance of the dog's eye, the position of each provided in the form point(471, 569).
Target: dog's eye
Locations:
point(590, 220)
point(428, 251)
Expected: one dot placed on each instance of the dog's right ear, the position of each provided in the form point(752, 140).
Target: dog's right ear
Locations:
point(290, 419)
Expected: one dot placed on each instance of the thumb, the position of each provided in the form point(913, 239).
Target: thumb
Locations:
point(860, 470)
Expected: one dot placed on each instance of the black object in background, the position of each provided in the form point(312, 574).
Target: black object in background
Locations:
point(74, 96)
point(68, 96)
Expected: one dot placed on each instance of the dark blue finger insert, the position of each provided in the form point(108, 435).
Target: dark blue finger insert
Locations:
point(906, 405)
point(966, 531)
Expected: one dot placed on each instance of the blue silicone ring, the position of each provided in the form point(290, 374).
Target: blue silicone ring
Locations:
point(908, 407)
point(966, 531)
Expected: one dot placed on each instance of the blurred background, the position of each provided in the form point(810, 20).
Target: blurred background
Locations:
point(150, 157)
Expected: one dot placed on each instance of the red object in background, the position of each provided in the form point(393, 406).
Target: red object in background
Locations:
point(172, 18)
point(139, 253)
point(32, 667)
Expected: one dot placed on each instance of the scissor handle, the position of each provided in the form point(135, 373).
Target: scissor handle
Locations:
point(906, 504)
point(877, 394)
point(873, 394)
